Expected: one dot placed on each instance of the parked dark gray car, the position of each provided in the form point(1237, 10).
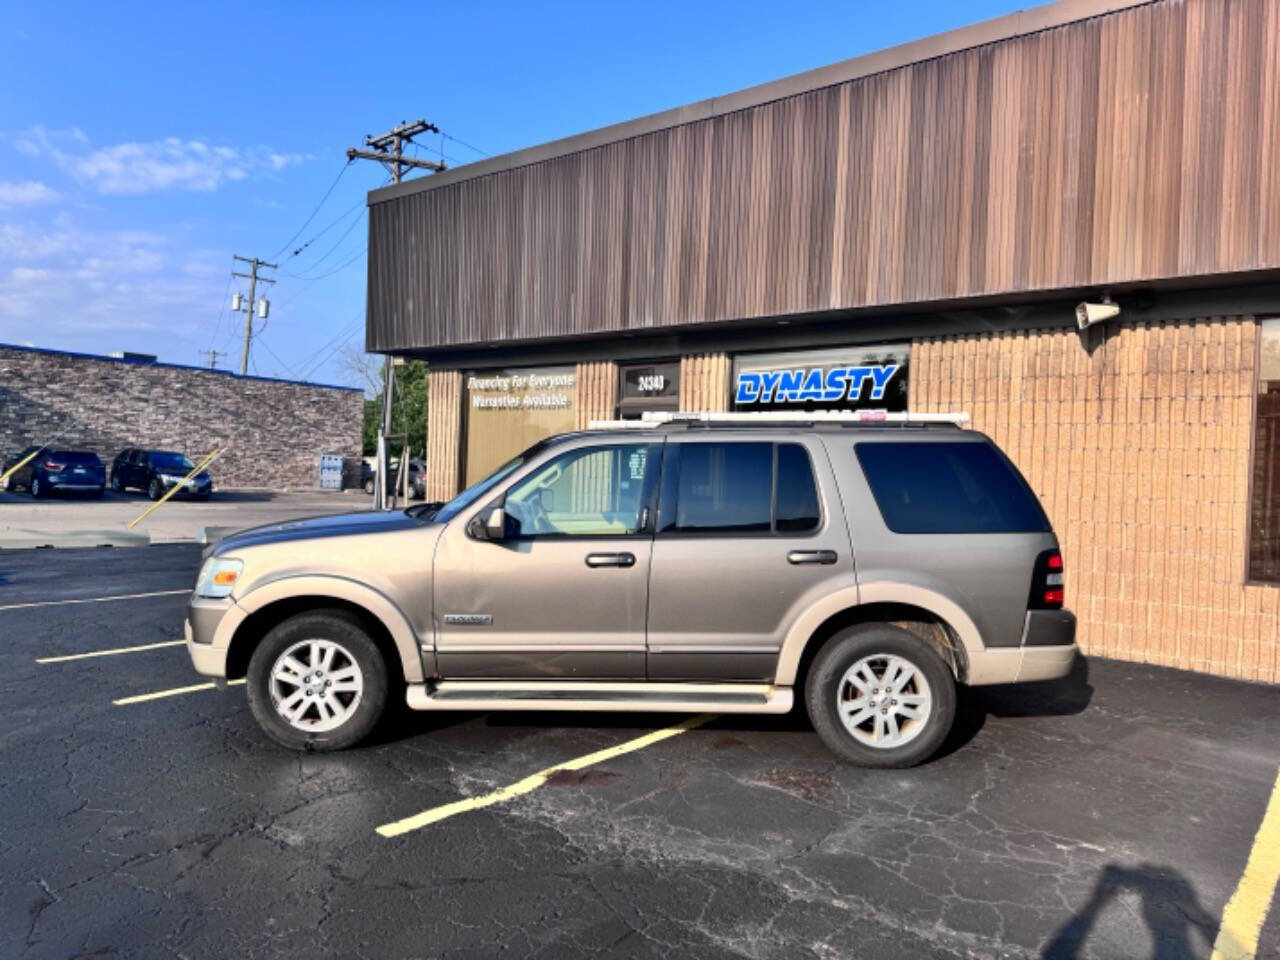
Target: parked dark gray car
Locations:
point(720, 564)
point(156, 471)
point(57, 471)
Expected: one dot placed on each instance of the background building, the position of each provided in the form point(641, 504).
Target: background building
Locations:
point(273, 431)
point(916, 226)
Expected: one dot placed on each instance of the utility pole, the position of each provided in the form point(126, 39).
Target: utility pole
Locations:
point(388, 149)
point(254, 279)
point(213, 356)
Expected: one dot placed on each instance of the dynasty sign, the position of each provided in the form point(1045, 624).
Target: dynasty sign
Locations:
point(844, 379)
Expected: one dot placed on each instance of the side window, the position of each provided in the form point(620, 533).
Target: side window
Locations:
point(589, 492)
point(797, 508)
point(723, 488)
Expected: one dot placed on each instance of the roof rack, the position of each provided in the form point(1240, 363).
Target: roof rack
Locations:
point(650, 420)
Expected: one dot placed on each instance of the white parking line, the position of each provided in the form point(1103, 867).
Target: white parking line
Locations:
point(175, 692)
point(126, 596)
point(111, 653)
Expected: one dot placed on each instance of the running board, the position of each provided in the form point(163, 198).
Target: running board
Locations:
point(599, 695)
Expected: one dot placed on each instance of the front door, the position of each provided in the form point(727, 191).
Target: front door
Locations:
point(564, 594)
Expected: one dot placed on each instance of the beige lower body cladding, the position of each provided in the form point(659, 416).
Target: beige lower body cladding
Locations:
point(1137, 438)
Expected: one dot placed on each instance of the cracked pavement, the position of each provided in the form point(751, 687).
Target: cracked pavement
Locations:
point(1109, 815)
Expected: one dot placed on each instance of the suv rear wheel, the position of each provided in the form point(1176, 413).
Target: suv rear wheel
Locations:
point(880, 696)
point(317, 681)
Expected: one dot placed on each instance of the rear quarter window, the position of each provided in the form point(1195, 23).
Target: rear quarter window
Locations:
point(962, 487)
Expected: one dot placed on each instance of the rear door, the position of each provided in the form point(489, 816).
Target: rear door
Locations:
point(750, 533)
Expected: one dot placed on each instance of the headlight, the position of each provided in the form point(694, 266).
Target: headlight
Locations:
point(218, 577)
point(169, 478)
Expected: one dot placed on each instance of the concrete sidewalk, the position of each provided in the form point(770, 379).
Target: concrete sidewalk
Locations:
point(75, 521)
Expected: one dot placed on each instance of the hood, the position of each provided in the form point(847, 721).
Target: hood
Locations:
point(338, 525)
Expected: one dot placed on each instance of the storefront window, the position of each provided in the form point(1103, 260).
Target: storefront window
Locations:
point(1264, 521)
point(507, 410)
point(848, 378)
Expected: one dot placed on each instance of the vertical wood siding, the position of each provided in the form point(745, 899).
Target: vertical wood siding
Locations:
point(704, 382)
point(1136, 145)
point(444, 433)
point(1140, 453)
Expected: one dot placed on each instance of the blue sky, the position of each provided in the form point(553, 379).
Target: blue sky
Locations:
point(141, 146)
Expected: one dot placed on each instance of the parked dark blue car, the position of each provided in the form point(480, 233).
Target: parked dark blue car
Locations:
point(51, 471)
point(155, 471)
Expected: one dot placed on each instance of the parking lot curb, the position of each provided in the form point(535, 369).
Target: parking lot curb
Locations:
point(208, 535)
point(26, 539)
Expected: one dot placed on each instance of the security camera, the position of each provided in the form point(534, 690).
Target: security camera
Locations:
point(1087, 314)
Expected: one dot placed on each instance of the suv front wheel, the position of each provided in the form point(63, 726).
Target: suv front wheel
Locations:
point(317, 681)
point(880, 696)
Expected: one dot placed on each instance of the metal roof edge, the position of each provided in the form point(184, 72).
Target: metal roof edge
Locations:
point(1006, 27)
point(172, 366)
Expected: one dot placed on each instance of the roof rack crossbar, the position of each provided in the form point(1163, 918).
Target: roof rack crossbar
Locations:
point(653, 419)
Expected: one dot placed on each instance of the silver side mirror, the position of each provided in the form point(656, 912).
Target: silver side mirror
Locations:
point(495, 524)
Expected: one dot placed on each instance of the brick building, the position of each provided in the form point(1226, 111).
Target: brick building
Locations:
point(917, 226)
point(273, 431)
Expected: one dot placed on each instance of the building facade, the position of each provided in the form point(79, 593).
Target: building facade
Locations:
point(272, 432)
point(912, 230)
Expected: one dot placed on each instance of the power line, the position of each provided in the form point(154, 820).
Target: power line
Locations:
point(342, 216)
point(254, 279)
point(315, 263)
point(285, 245)
point(338, 269)
point(388, 149)
point(464, 143)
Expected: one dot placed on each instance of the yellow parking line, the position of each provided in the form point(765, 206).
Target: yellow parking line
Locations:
point(532, 782)
point(123, 596)
point(1246, 911)
point(111, 653)
point(175, 692)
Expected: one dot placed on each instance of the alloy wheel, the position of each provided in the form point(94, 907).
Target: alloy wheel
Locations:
point(316, 685)
point(884, 701)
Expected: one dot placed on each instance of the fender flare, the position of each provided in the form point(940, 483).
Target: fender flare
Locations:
point(377, 604)
point(946, 610)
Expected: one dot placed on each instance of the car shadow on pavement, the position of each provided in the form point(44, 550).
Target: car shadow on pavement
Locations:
point(1169, 906)
point(1063, 697)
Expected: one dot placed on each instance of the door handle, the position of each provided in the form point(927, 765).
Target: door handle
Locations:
point(611, 559)
point(811, 556)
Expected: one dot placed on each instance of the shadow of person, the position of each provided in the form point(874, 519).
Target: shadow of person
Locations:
point(1172, 911)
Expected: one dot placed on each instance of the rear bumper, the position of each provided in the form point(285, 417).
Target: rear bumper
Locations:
point(1048, 650)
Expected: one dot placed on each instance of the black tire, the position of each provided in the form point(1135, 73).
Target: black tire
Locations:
point(823, 694)
point(116, 485)
point(344, 630)
point(153, 489)
point(98, 494)
point(37, 489)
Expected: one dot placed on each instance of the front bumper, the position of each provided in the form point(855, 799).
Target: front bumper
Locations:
point(208, 631)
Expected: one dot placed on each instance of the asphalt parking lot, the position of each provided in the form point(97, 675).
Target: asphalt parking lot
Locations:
point(1109, 816)
point(74, 520)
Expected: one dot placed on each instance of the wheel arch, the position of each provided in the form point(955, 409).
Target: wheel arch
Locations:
point(274, 603)
point(930, 616)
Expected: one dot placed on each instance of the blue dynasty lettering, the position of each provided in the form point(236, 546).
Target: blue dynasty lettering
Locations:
point(811, 384)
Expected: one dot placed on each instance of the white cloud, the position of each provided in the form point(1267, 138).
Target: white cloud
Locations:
point(136, 167)
point(25, 193)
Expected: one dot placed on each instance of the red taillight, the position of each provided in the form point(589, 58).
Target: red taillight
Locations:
point(1046, 582)
point(53, 465)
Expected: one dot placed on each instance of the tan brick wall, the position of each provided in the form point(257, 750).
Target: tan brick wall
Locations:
point(1140, 451)
point(596, 387)
point(704, 382)
point(444, 434)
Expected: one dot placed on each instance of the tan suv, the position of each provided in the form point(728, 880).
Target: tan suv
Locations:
point(705, 563)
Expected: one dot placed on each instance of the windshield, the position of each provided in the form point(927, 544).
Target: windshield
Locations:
point(171, 461)
point(480, 488)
